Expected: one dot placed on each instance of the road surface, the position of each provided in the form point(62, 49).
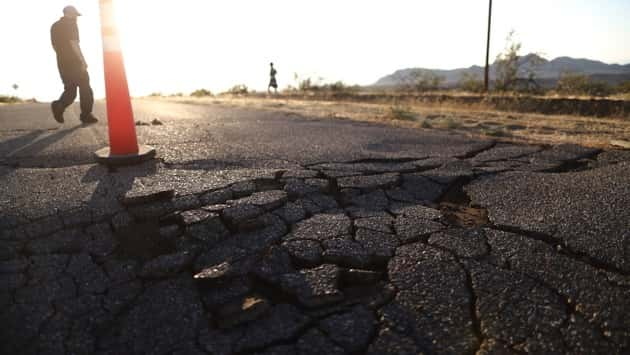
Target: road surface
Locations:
point(272, 233)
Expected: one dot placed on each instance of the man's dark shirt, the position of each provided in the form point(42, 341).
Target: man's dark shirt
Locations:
point(62, 33)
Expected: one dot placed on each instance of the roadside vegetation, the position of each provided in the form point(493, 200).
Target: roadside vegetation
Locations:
point(318, 86)
point(238, 90)
point(201, 93)
point(471, 83)
point(401, 113)
point(4, 99)
point(12, 99)
point(520, 107)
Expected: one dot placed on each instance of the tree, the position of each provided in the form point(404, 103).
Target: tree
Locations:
point(514, 72)
point(15, 87)
point(507, 64)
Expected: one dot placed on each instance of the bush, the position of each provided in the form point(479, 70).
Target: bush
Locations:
point(9, 99)
point(201, 93)
point(156, 94)
point(339, 87)
point(401, 113)
point(307, 85)
point(239, 89)
point(471, 83)
point(599, 88)
point(289, 89)
point(624, 87)
point(580, 84)
point(451, 123)
point(423, 80)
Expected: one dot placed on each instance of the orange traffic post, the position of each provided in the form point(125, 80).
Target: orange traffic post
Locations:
point(123, 143)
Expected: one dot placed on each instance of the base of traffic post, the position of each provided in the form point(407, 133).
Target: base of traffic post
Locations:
point(105, 157)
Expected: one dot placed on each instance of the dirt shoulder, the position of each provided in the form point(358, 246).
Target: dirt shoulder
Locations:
point(474, 122)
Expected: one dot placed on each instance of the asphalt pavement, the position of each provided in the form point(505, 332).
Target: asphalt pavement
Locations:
point(272, 233)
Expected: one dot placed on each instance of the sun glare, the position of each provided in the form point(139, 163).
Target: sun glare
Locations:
point(203, 45)
point(184, 45)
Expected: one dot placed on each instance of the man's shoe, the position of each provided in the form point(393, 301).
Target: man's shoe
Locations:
point(57, 111)
point(88, 119)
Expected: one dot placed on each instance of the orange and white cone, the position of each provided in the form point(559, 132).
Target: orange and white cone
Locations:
point(123, 144)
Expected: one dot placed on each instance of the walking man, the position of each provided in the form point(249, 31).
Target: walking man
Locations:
point(64, 35)
point(272, 80)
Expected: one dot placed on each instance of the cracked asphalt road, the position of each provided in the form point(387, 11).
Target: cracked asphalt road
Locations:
point(270, 233)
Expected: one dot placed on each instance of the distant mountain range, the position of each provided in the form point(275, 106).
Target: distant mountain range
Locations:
point(547, 71)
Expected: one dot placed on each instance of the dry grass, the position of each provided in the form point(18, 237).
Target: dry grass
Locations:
point(471, 121)
point(401, 113)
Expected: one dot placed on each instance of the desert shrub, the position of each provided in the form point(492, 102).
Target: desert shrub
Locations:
point(450, 123)
point(598, 88)
point(471, 83)
point(239, 89)
point(494, 132)
point(425, 81)
point(624, 87)
point(527, 86)
point(310, 85)
point(581, 84)
point(337, 87)
point(570, 83)
point(156, 94)
point(290, 89)
point(201, 93)
point(340, 87)
point(307, 85)
point(400, 113)
point(9, 99)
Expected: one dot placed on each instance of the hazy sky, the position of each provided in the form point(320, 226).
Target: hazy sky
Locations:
point(172, 46)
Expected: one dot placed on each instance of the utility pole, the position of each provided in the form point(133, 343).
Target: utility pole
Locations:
point(486, 78)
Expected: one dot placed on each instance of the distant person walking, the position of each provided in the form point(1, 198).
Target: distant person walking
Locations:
point(272, 80)
point(64, 35)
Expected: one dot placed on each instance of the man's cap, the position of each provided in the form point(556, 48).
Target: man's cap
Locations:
point(71, 11)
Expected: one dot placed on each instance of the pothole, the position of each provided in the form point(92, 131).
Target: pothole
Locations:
point(457, 208)
point(138, 241)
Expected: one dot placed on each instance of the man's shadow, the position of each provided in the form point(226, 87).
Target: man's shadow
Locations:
point(13, 150)
point(17, 143)
point(31, 145)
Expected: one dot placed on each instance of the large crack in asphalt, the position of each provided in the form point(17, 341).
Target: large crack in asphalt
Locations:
point(475, 316)
point(135, 242)
point(475, 152)
point(563, 249)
